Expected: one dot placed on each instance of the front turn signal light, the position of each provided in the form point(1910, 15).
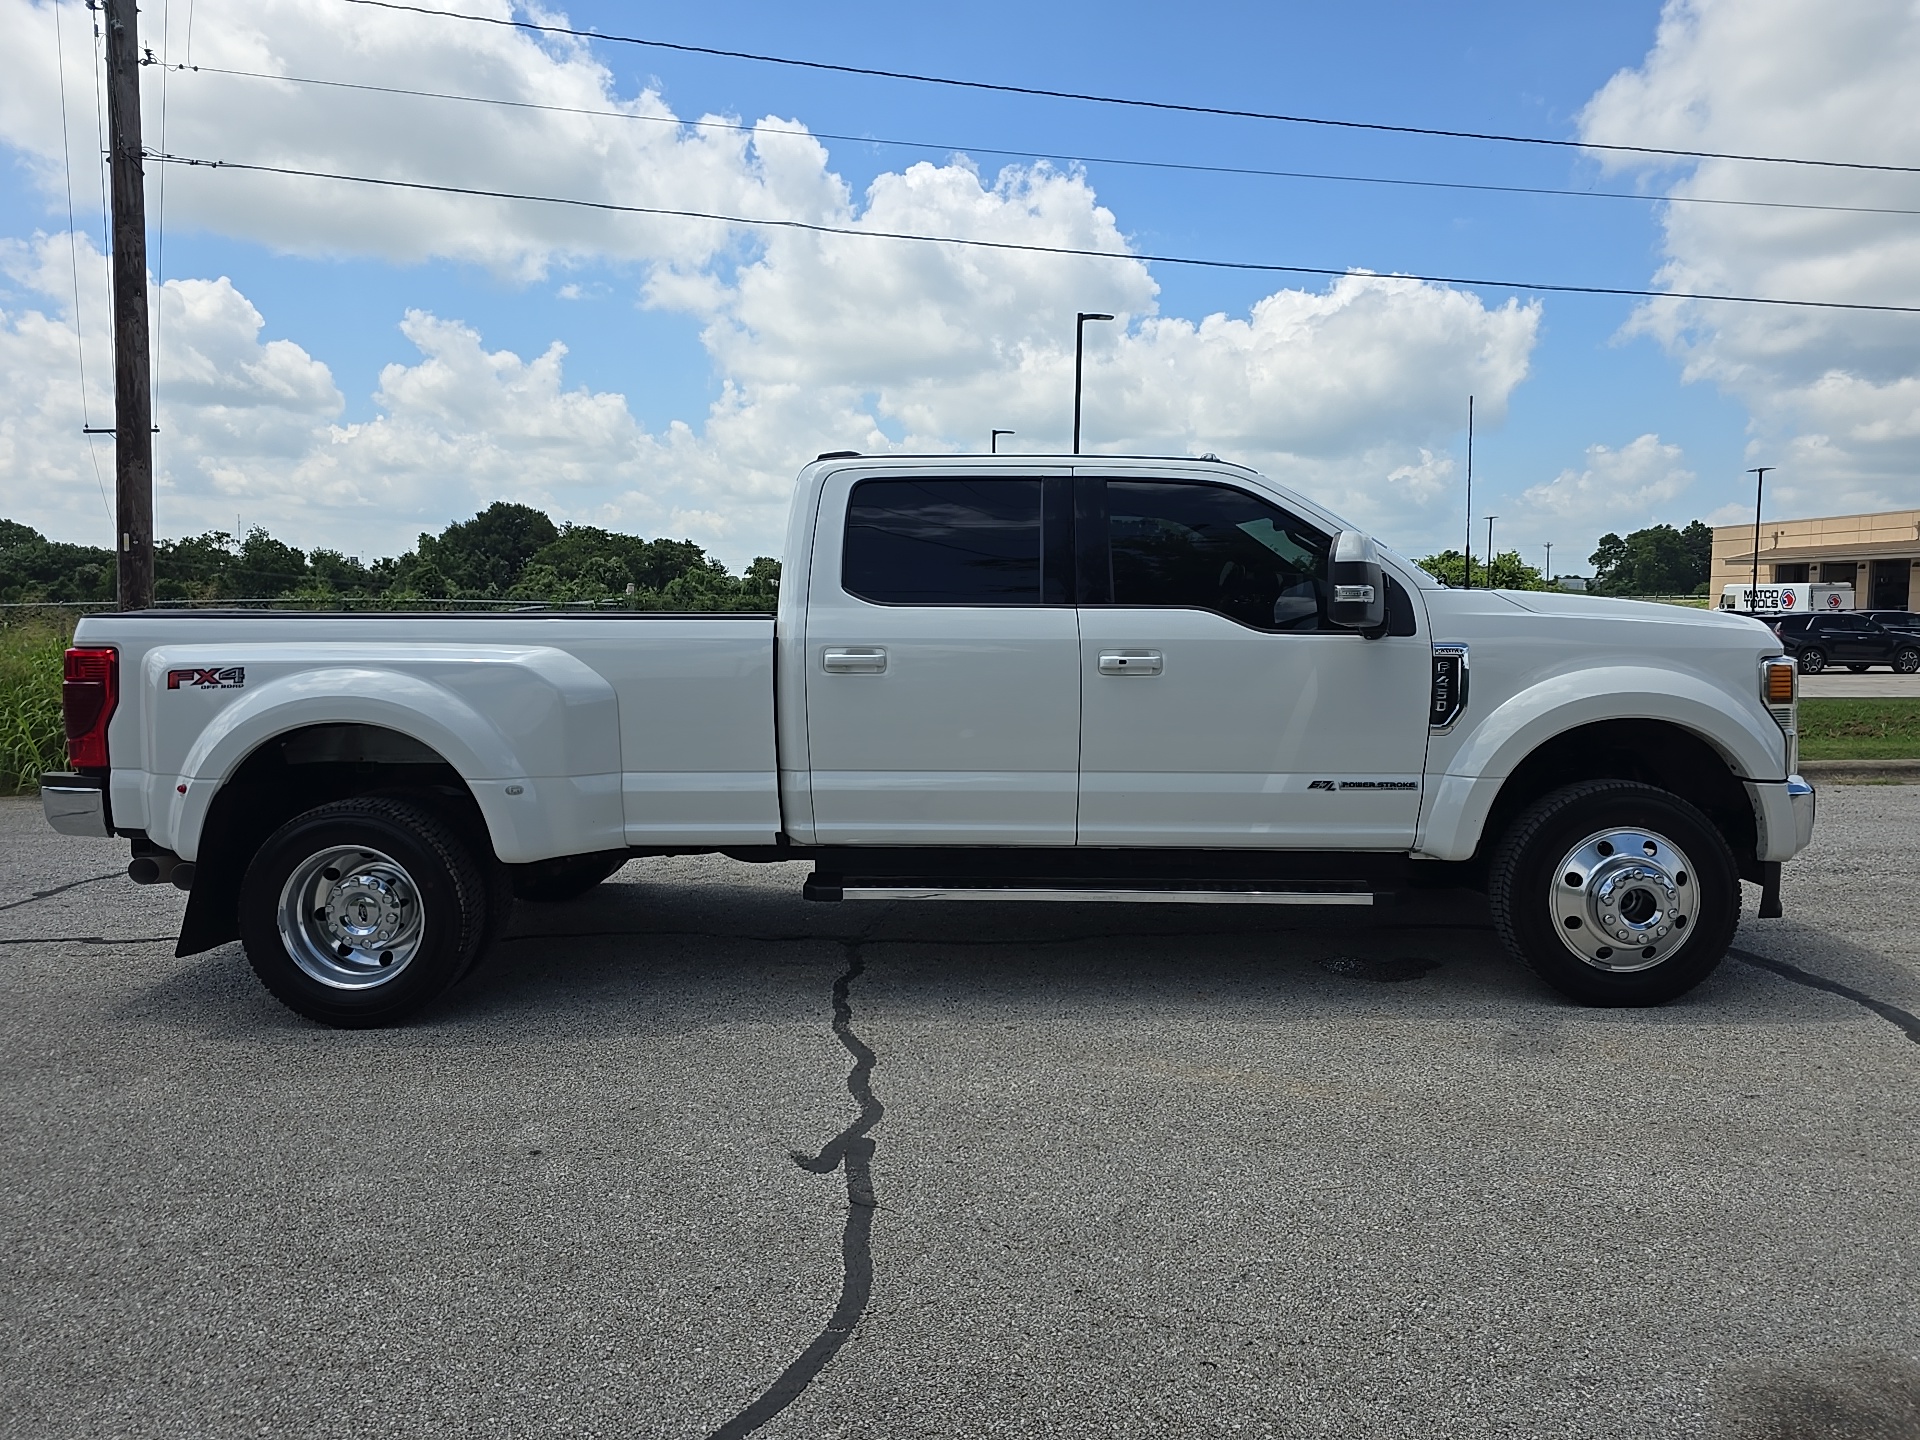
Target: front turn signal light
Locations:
point(1779, 678)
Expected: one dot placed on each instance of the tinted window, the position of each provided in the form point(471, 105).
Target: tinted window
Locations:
point(1793, 624)
point(1215, 548)
point(945, 542)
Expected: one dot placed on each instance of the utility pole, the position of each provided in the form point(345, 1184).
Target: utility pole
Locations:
point(1489, 566)
point(132, 396)
point(1467, 551)
point(1759, 473)
point(1549, 571)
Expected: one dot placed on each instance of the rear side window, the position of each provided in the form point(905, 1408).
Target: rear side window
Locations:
point(958, 542)
point(1794, 624)
point(1212, 547)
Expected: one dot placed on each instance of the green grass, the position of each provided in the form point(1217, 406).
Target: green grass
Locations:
point(32, 738)
point(1859, 729)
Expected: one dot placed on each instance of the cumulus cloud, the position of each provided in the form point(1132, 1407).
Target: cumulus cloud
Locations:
point(1621, 489)
point(1834, 396)
point(817, 341)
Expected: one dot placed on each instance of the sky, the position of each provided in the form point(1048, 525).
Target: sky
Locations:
point(349, 365)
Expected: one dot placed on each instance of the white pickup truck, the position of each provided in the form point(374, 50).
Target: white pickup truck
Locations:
point(1008, 678)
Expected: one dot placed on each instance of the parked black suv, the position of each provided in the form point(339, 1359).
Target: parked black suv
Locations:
point(1852, 639)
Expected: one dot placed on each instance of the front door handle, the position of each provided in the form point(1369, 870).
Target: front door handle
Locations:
point(1129, 662)
point(855, 660)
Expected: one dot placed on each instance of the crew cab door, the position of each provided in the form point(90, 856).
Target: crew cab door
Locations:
point(942, 654)
point(1218, 705)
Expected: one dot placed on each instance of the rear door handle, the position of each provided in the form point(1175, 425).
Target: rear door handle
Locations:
point(1129, 662)
point(855, 660)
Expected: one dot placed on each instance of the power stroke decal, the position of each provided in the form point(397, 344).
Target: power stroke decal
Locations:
point(220, 677)
point(1363, 785)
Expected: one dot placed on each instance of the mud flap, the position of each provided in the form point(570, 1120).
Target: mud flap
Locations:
point(1770, 890)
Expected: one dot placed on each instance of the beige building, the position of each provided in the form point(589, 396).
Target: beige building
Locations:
point(1879, 555)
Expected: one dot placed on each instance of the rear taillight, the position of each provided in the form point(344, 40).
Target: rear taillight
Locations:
point(91, 690)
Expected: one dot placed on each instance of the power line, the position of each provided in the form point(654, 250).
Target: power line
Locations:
point(1175, 165)
point(73, 257)
point(815, 227)
point(1132, 102)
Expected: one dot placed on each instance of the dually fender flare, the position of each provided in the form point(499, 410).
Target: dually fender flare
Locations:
point(1456, 806)
point(341, 695)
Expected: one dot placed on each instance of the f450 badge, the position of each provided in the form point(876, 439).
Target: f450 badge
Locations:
point(220, 677)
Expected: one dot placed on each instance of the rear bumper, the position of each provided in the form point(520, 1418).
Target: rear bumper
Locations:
point(1783, 811)
point(76, 805)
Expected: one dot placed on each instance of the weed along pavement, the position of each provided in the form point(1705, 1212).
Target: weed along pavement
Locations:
point(692, 1156)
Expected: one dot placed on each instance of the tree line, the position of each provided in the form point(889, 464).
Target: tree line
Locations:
point(512, 552)
point(505, 553)
point(1658, 560)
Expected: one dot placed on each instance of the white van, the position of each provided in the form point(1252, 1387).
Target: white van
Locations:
point(1799, 599)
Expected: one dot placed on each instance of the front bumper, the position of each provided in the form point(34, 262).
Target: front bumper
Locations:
point(1783, 812)
point(76, 805)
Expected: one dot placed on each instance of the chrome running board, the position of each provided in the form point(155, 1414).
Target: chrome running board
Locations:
point(832, 888)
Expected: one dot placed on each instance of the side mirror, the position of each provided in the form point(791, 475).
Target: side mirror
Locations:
point(1359, 600)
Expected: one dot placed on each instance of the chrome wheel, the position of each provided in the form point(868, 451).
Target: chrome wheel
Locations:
point(351, 917)
point(1623, 899)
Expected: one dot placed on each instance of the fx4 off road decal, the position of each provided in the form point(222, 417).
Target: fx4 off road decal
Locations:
point(220, 677)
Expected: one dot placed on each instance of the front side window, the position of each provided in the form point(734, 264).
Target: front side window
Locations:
point(945, 542)
point(1215, 548)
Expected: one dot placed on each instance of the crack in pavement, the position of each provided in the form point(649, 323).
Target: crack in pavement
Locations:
point(1905, 1021)
point(851, 1151)
point(88, 940)
point(61, 889)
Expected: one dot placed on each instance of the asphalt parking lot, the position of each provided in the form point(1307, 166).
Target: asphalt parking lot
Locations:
point(1120, 1171)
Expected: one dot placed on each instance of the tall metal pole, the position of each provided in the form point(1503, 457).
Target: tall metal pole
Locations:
point(1548, 577)
point(1079, 347)
point(1467, 552)
point(132, 412)
point(993, 440)
point(1759, 473)
point(1489, 565)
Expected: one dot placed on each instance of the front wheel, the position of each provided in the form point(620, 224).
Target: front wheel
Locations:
point(1812, 660)
point(358, 913)
point(1615, 893)
point(1907, 660)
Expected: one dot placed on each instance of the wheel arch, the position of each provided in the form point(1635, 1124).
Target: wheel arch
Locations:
point(292, 771)
point(1662, 753)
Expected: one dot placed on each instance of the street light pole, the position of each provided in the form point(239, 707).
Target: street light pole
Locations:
point(1079, 350)
point(1489, 566)
point(1549, 571)
point(1467, 551)
point(1759, 473)
point(993, 441)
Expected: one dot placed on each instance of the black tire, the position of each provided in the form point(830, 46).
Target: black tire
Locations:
point(430, 877)
point(1812, 660)
point(1906, 660)
point(1527, 872)
point(568, 877)
point(1859, 669)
